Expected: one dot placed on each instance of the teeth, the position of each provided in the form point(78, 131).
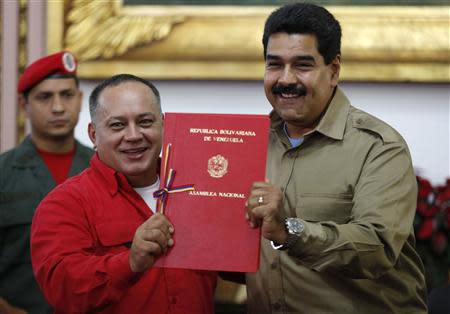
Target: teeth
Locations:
point(289, 95)
point(134, 150)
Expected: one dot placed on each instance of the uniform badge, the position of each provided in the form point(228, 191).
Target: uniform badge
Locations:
point(217, 166)
point(69, 62)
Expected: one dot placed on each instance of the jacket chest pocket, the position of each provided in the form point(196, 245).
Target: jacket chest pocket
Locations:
point(115, 236)
point(325, 207)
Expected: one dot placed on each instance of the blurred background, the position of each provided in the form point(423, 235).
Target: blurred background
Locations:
point(206, 56)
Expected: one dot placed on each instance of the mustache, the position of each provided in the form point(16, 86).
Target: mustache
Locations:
point(292, 89)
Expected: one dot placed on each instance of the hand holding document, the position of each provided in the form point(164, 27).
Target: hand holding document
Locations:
point(209, 164)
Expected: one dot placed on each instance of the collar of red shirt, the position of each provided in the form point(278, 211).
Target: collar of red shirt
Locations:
point(112, 178)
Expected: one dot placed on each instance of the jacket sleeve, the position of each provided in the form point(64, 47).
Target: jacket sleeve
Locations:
point(73, 275)
point(384, 203)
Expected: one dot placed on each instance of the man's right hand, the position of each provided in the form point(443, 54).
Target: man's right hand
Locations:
point(151, 240)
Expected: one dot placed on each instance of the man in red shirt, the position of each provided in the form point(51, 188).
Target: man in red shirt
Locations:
point(95, 238)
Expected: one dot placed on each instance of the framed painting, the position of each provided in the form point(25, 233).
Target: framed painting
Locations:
point(221, 40)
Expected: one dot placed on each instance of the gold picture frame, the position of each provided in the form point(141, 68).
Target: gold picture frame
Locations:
point(397, 44)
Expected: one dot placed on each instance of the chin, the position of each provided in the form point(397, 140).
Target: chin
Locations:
point(137, 170)
point(289, 115)
point(61, 135)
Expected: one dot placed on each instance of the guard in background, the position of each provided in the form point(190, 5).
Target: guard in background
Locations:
point(49, 92)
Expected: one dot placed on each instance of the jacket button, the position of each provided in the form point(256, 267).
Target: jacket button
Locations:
point(173, 300)
point(273, 265)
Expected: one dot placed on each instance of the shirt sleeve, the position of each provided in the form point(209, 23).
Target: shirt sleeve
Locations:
point(73, 275)
point(384, 204)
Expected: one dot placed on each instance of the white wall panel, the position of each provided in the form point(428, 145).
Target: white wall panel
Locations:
point(420, 112)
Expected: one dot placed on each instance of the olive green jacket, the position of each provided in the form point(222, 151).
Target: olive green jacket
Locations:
point(24, 181)
point(352, 184)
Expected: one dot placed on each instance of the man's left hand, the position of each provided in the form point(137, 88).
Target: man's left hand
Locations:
point(265, 209)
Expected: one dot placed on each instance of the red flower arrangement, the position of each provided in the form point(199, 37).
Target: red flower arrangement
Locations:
point(432, 228)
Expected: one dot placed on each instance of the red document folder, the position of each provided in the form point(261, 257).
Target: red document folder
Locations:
point(221, 155)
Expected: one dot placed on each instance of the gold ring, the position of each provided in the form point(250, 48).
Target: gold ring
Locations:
point(260, 200)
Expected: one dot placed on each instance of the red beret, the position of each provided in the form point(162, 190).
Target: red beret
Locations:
point(59, 63)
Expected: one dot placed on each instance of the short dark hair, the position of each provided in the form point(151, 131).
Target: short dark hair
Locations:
point(55, 76)
point(306, 18)
point(115, 81)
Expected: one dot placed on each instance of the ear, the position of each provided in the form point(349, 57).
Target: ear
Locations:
point(335, 70)
point(92, 134)
point(22, 102)
point(80, 95)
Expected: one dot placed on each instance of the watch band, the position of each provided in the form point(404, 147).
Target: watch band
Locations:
point(294, 228)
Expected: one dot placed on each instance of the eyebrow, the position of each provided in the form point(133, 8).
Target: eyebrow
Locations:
point(297, 58)
point(139, 116)
point(56, 92)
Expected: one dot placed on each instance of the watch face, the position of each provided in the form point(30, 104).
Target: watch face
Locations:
point(294, 226)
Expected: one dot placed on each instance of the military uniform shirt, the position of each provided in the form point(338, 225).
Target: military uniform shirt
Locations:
point(24, 181)
point(351, 183)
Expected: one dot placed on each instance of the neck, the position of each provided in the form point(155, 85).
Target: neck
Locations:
point(142, 181)
point(296, 131)
point(54, 145)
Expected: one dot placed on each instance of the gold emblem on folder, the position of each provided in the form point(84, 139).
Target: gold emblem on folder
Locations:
point(217, 166)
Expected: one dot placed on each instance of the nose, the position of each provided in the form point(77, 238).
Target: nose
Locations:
point(132, 133)
point(57, 105)
point(287, 76)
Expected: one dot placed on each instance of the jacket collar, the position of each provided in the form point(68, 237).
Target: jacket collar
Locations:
point(333, 121)
point(111, 177)
point(27, 154)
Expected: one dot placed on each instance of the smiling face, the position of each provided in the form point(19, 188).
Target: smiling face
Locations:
point(297, 82)
point(52, 107)
point(127, 131)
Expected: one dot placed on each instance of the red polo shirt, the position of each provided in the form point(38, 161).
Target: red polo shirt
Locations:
point(58, 163)
point(79, 246)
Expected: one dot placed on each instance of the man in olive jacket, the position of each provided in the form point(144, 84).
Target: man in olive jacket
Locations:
point(337, 209)
point(49, 93)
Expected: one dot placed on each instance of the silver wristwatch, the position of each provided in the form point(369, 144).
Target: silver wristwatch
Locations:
point(294, 227)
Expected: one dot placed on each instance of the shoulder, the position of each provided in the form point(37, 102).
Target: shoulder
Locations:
point(84, 151)
point(77, 184)
point(82, 158)
point(22, 154)
point(7, 159)
point(76, 188)
point(373, 126)
point(68, 203)
point(8, 156)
